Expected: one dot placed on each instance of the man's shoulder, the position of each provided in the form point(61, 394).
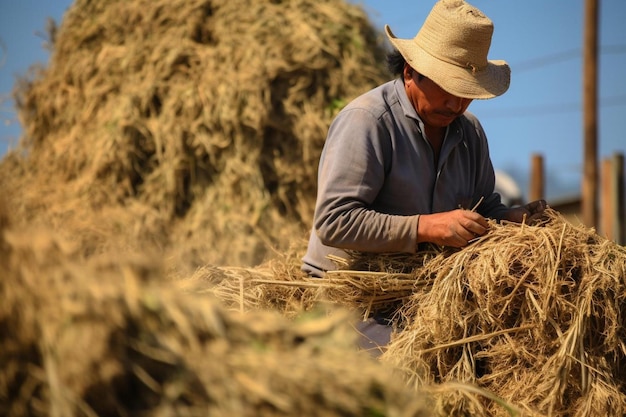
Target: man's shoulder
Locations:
point(376, 101)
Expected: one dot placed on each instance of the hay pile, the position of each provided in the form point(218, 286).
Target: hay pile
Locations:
point(533, 314)
point(191, 125)
point(112, 337)
point(527, 318)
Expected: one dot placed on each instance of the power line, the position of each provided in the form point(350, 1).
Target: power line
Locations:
point(549, 109)
point(564, 56)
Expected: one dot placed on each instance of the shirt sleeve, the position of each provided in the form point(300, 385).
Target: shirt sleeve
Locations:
point(352, 171)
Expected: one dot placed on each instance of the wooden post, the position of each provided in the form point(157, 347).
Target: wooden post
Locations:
point(536, 191)
point(618, 198)
point(590, 122)
point(607, 194)
point(613, 198)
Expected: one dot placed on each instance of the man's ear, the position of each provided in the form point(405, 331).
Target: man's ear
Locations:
point(407, 72)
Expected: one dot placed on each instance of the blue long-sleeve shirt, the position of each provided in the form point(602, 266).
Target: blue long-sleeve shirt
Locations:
point(377, 172)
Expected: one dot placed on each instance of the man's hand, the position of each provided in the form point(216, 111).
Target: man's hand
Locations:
point(452, 228)
point(534, 212)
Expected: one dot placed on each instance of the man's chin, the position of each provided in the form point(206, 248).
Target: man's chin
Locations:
point(443, 120)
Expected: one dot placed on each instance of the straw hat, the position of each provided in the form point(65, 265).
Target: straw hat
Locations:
point(451, 49)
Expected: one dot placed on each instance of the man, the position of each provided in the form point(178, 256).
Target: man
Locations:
point(405, 163)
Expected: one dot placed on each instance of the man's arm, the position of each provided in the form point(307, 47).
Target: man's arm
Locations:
point(351, 175)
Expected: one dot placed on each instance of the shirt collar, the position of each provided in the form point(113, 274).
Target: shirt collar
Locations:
point(403, 99)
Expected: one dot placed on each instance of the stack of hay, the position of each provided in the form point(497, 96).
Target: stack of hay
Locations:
point(113, 337)
point(527, 318)
point(534, 315)
point(194, 126)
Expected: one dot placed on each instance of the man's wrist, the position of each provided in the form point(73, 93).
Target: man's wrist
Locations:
point(417, 231)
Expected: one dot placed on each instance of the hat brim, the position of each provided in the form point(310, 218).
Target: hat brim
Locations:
point(486, 83)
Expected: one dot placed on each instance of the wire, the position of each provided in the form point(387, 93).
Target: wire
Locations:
point(559, 57)
point(549, 109)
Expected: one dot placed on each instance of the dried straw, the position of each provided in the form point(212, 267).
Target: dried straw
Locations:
point(194, 126)
point(532, 314)
point(526, 319)
point(112, 337)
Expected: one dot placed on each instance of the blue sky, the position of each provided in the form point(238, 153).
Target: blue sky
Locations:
point(541, 40)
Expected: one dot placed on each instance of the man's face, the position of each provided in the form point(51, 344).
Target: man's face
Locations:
point(435, 106)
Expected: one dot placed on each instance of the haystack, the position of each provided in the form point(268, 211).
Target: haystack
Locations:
point(190, 125)
point(113, 337)
point(533, 314)
point(527, 319)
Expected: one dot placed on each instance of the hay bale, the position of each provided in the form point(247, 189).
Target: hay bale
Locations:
point(113, 337)
point(527, 319)
point(191, 125)
point(534, 315)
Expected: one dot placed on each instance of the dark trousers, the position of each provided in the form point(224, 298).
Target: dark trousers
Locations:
point(374, 335)
point(374, 332)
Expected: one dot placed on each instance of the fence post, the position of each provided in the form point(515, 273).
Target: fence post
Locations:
point(607, 195)
point(618, 198)
point(536, 191)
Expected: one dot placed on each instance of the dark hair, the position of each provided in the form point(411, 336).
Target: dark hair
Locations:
point(395, 62)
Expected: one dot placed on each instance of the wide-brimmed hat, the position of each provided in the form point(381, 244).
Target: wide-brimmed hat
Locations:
point(451, 49)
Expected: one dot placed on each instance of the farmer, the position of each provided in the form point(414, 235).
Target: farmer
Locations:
point(406, 163)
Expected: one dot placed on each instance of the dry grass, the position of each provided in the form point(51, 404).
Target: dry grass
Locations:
point(527, 319)
point(194, 126)
point(532, 314)
point(112, 336)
